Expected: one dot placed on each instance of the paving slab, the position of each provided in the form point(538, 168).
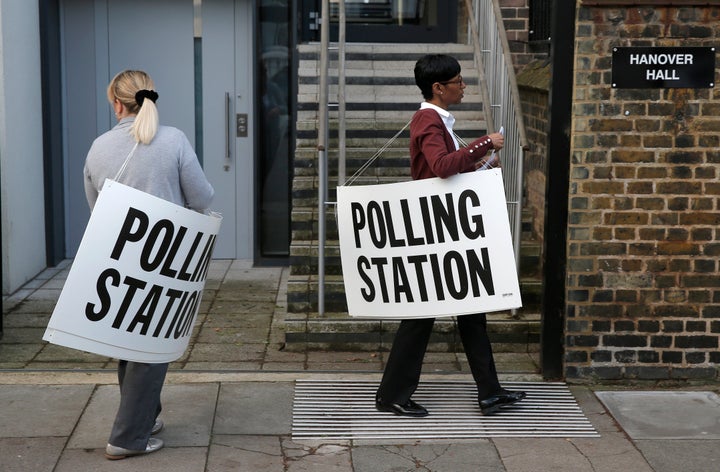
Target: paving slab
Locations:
point(30, 454)
point(681, 455)
point(56, 353)
point(93, 429)
point(23, 335)
point(41, 410)
point(254, 408)
point(594, 410)
point(14, 356)
point(25, 320)
point(188, 411)
point(479, 456)
point(665, 414)
point(612, 452)
point(182, 459)
point(233, 453)
point(317, 457)
point(206, 352)
point(542, 454)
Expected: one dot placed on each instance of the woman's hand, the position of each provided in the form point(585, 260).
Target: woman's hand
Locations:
point(498, 140)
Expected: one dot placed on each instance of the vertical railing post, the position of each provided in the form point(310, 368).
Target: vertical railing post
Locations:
point(322, 149)
point(341, 93)
point(479, 64)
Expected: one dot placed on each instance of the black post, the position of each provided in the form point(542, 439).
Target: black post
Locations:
point(52, 130)
point(556, 195)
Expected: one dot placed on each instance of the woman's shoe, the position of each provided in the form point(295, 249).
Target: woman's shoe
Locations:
point(493, 403)
point(116, 453)
point(409, 408)
point(157, 427)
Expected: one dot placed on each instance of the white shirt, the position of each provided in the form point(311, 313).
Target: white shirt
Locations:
point(447, 118)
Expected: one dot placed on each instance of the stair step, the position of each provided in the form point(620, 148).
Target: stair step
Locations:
point(302, 291)
point(355, 52)
point(348, 334)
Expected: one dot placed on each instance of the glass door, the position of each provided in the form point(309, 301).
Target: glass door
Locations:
point(247, 85)
point(276, 86)
point(399, 21)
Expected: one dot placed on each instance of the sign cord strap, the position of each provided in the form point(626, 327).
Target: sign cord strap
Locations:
point(460, 140)
point(127, 159)
point(374, 157)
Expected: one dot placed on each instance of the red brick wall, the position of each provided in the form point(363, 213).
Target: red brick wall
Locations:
point(533, 83)
point(643, 282)
point(516, 18)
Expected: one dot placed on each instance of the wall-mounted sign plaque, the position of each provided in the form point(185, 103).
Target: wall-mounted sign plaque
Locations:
point(670, 67)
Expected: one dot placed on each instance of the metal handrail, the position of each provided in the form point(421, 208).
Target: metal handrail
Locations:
point(503, 99)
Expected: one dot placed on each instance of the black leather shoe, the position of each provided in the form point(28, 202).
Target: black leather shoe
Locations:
point(409, 408)
point(493, 403)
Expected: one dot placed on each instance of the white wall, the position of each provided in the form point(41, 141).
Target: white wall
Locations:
point(21, 144)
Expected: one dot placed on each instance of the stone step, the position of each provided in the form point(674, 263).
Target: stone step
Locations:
point(372, 135)
point(302, 291)
point(377, 57)
point(359, 97)
point(530, 254)
point(391, 126)
point(338, 332)
point(512, 331)
point(304, 250)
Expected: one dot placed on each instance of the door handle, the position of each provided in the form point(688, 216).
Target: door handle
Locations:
point(228, 134)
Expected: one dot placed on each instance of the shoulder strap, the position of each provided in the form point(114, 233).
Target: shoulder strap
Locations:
point(377, 154)
point(127, 159)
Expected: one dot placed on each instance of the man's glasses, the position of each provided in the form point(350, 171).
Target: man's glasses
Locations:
point(459, 80)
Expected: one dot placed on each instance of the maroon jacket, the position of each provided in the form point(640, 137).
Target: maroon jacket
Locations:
point(432, 150)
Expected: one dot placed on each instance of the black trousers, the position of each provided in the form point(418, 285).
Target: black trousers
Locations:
point(402, 371)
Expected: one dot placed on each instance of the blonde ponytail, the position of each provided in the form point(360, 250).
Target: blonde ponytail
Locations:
point(146, 122)
point(134, 89)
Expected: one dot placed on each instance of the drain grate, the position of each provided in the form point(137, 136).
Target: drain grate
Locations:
point(345, 410)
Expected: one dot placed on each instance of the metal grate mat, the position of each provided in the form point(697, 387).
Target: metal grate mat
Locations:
point(345, 410)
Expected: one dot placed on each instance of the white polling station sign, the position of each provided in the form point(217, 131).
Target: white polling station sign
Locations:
point(427, 248)
point(136, 283)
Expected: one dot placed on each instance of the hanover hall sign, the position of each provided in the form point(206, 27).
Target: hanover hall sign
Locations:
point(663, 67)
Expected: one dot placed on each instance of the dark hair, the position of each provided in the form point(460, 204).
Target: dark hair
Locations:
point(434, 68)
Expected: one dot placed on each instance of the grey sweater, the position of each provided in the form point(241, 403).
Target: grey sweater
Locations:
point(167, 167)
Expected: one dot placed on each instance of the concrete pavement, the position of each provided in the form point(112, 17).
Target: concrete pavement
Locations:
point(228, 401)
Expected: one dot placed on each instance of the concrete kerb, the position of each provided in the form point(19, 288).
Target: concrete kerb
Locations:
point(103, 377)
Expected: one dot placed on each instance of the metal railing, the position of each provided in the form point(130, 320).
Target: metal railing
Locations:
point(322, 148)
point(501, 95)
point(323, 125)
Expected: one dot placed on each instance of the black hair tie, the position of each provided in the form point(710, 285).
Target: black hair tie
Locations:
point(141, 95)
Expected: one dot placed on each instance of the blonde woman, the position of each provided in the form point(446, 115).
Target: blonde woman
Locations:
point(159, 161)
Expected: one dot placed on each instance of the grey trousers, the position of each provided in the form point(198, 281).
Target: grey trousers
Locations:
point(140, 386)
